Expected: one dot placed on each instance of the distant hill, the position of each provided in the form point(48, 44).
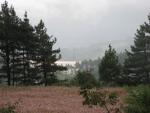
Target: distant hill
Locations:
point(91, 52)
point(79, 54)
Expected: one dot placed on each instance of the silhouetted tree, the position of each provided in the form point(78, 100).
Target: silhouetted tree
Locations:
point(109, 68)
point(8, 39)
point(137, 65)
point(27, 54)
point(47, 56)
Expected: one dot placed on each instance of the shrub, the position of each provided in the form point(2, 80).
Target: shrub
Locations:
point(107, 100)
point(86, 80)
point(138, 100)
point(8, 109)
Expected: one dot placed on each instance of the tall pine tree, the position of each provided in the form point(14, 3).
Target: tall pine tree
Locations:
point(27, 54)
point(8, 38)
point(47, 55)
point(109, 68)
point(28, 42)
point(137, 65)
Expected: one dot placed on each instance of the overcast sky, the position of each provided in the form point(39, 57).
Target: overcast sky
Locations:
point(82, 23)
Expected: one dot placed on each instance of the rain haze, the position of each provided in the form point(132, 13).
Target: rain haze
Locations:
point(87, 26)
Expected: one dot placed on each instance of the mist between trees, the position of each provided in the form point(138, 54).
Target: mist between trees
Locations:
point(28, 56)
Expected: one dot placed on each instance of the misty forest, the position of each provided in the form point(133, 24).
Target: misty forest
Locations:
point(35, 78)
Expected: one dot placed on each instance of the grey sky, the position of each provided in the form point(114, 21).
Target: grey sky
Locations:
point(82, 23)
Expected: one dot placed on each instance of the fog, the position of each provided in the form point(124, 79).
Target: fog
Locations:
point(87, 24)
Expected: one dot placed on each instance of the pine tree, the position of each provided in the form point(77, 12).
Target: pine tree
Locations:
point(15, 42)
point(47, 56)
point(9, 28)
point(26, 53)
point(17, 46)
point(137, 65)
point(109, 68)
point(27, 48)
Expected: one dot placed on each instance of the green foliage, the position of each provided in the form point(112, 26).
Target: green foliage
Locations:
point(86, 80)
point(47, 56)
point(109, 68)
point(138, 100)
point(100, 98)
point(27, 52)
point(8, 109)
point(137, 64)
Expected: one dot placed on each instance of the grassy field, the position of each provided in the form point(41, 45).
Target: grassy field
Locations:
point(49, 99)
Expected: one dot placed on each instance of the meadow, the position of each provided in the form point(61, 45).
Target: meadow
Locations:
point(52, 99)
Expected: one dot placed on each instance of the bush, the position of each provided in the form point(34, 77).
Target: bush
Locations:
point(86, 80)
point(138, 100)
point(106, 100)
point(8, 109)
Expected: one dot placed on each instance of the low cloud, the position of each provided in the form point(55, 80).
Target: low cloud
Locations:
point(86, 22)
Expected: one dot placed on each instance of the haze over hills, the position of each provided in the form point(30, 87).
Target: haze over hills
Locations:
point(94, 51)
point(84, 28)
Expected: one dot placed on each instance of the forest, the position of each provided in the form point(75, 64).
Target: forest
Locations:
point(114, 83)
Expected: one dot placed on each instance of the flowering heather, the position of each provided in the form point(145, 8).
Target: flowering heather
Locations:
point(48, 99)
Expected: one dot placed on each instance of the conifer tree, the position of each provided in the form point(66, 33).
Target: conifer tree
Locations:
point(47, 55)
point(109, 68)
point(27, 54)
point(9, 28)
point(137, 65)
point(27, 48)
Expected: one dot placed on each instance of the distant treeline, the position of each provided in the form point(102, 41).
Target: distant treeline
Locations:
point(27, 56)
point(135, 69)
point(93, 64)
point(127, 68)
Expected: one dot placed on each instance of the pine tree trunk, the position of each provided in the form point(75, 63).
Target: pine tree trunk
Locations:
point(45, 78)
point(45, 74)
point(24, 67)
point(8, 66)
point(13, 69)
point(28, 68)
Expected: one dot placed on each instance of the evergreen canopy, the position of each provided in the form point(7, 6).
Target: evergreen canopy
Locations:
point(137, 65)
point(109, 68)
point(26, 52)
